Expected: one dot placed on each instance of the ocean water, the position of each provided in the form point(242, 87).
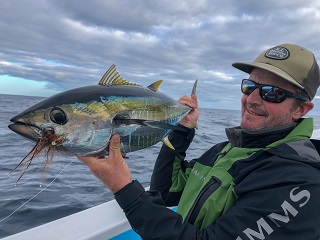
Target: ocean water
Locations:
point(75, 188)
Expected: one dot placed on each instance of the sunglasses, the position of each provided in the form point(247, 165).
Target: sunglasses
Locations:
point(269, 93)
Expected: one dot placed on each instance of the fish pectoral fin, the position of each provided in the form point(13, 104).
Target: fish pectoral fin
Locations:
point(162, 125)
point(147, 123)
point(168, 143)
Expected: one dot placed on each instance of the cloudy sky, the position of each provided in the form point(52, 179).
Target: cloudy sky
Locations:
point(49, 46)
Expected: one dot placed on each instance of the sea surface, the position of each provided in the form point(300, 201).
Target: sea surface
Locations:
point(75, 188)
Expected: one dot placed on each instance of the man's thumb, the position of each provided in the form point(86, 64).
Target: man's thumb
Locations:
point(114, 148)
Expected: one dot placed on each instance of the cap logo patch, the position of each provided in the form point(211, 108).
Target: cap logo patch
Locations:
point(279, 53)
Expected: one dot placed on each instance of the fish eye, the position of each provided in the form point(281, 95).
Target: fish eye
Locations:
point(58, 116)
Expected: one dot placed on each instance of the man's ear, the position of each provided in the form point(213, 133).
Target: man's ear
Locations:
point(302, 110)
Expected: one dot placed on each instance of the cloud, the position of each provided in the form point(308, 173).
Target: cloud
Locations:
point(68, 44)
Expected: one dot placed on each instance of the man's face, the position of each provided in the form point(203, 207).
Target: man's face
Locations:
point(259, 114)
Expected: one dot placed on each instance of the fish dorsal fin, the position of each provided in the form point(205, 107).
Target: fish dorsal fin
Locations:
point(154, 86)
point(112, 78)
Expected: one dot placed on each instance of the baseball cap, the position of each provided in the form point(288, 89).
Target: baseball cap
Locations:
point(293, 63)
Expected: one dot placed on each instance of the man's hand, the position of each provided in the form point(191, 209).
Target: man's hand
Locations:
point(112, 171)
point(190, 120)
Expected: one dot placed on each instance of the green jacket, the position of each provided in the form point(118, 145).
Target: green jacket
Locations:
point(208, 186)
point(258, 185)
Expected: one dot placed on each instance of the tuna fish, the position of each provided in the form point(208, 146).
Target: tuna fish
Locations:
point(81, 121)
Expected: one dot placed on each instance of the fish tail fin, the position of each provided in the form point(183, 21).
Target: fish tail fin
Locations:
point(194, 91)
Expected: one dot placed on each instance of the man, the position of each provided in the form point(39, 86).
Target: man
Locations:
point(264, 183)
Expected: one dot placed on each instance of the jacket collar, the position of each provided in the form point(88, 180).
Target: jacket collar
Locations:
point(243, 138)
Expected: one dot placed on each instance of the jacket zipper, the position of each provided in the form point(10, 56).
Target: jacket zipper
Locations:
point(211, 186)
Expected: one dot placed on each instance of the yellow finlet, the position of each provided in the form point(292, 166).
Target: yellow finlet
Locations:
point(112, 77)
point(154, 86)
point(168, 143)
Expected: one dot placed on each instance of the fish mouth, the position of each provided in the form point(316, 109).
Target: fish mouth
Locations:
point(27, 130)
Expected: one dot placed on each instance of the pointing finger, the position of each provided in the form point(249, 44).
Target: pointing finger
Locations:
point(188, 101)
point(195, 99)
